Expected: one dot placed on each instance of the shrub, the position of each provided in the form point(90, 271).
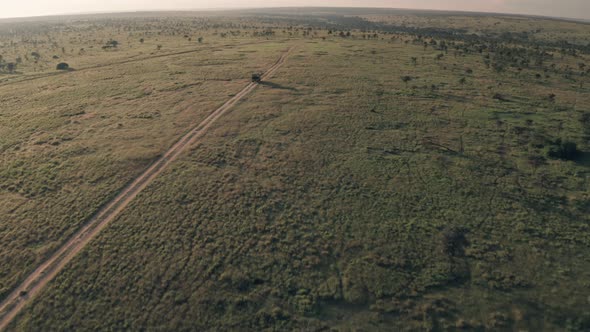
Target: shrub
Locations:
point(453, 241)
point(564, 150)
point(585, 122)
point(11, 67)
point(499, 97)
point(406, 79)
point(110, 44)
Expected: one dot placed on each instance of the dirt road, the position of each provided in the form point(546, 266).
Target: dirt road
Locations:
point(36, 281)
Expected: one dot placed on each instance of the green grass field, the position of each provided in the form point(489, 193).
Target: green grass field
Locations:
point(70, 142)
point(337, 196)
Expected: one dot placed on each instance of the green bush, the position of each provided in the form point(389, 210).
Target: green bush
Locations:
point(564, 150)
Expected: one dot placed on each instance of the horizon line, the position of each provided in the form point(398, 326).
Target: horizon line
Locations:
point(227, 9)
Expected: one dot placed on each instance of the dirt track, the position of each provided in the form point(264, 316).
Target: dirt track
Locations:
point(45, 272)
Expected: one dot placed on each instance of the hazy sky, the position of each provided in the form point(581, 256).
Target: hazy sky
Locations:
point(564, 8)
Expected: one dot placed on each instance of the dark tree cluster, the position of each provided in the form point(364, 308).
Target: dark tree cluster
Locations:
point(564, 150)
point(7, 67)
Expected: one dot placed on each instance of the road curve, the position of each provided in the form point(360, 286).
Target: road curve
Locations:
point(38, 279)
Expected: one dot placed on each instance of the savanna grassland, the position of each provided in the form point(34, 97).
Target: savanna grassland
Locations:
point(382, 179)
point(73, 139)
point(509, 26)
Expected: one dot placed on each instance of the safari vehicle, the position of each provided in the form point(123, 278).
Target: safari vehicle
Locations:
point(256, 77)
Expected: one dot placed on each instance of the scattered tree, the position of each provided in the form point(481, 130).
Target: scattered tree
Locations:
point(111, 44)
point(406, 79)
point(453, 241)
point(11, 67)
point(499, 97)
point(564, 150)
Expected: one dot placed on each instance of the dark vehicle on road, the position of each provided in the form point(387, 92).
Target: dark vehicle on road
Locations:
point(256, 78)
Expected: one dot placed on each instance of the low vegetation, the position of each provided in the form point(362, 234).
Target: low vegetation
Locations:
point(371, 183)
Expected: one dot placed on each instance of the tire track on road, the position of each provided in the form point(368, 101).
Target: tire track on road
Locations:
point(44, 273)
